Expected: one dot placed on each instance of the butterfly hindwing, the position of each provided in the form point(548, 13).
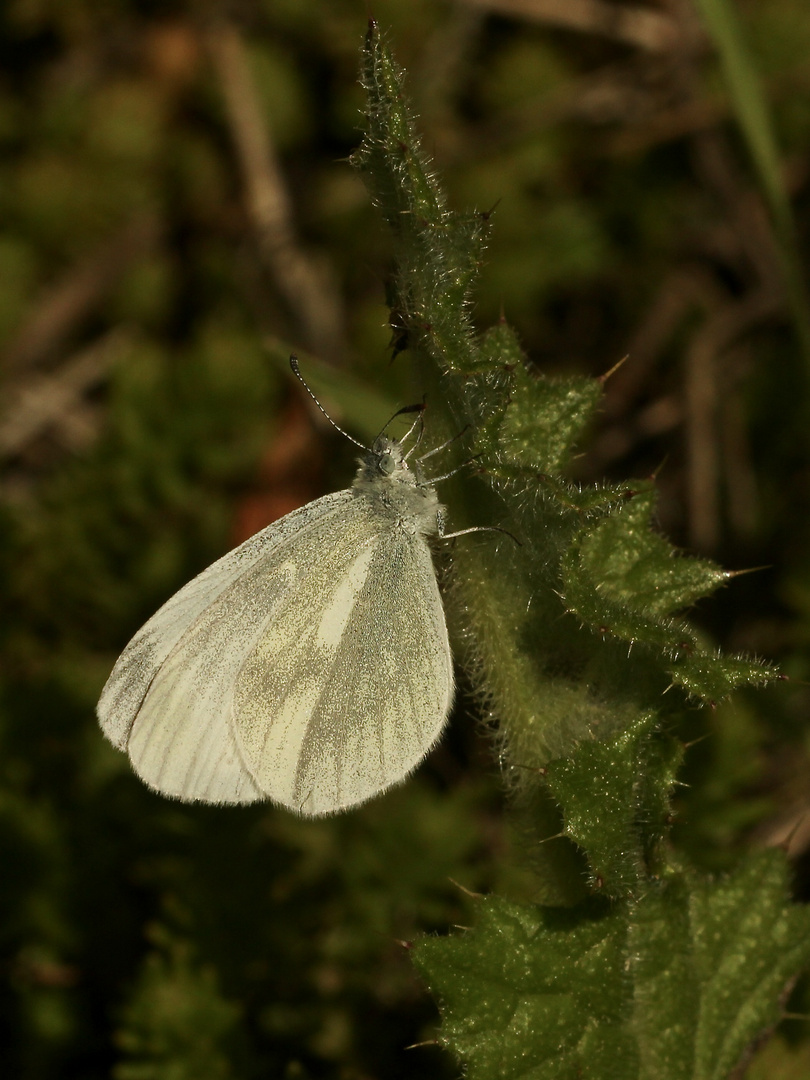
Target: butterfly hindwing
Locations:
point(332, 710)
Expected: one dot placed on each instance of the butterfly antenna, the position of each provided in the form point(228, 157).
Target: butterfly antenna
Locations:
point(337, 427)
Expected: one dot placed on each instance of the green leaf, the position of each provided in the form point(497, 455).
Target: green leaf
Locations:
point(545, 418)
point(676, 985)
point(713, 676)
point(625, 581)
point(613, 794)
point(633, 565)
point(713, 959)
point(584, 596)
point(534, 992)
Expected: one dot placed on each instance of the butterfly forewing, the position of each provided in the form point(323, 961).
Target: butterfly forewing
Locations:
point(168, 700)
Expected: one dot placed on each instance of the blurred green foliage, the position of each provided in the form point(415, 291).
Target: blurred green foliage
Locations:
point(143, 329)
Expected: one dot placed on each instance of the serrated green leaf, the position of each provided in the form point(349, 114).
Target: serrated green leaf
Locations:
point(634, 565)
point(532, 992)
point(713, 676)
point(676, 985)
point(499, 347)
point(539, 488)
point(607, 789)
point(545, 418)
point(623, 580)
point(584, 597)
point(713, 960)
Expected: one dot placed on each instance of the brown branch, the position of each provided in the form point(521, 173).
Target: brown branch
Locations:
point(715, 439)
point(680, 292)
point(790, 831)
point(748, 231)
point(80, 289)
point(642, 27)
point(303, 282)
point(677, 122)
point(44, 402)
point(738, 469)
point(715, 337)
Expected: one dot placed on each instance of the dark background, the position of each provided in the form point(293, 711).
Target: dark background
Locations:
point(176, 215)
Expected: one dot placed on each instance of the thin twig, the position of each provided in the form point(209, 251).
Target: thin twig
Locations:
point(73, 296)
point(744, 211)
point(44, 402)
point(790, 831)
point(714, 441)
point(624, 426)
point(736, 459)
point(717, 334)
point(639, 26)
point(303, 282)
point(444, 61)
point(676, 122)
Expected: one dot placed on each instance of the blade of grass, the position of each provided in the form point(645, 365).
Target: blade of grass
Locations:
point(753, 116)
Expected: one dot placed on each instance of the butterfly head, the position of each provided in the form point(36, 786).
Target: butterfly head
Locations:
point(385, 461)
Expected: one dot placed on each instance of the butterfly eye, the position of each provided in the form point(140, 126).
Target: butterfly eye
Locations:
point(387, 463)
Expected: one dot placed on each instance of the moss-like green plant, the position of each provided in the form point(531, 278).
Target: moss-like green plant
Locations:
point(573, 634)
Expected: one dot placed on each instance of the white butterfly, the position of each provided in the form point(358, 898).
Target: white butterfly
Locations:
point(309, 666)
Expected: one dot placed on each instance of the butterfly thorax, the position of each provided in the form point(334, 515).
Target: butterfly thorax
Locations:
point(386, 478)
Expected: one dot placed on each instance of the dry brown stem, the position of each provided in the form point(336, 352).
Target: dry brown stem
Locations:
point(54, 401)
point(73, 296)
point(703, 392)
point(303, 282)
point(638, 26)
